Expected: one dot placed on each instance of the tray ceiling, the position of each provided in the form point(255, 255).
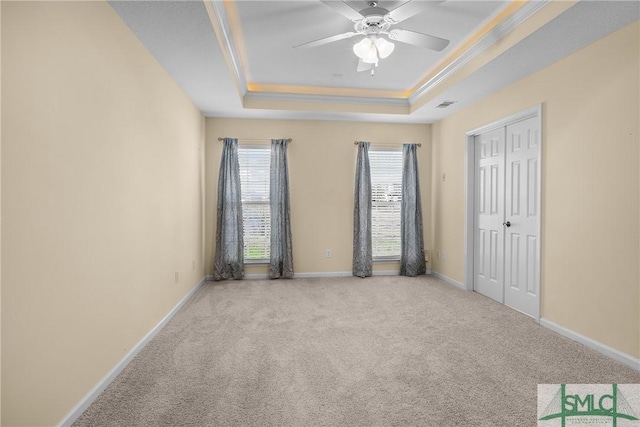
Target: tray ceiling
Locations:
point(236, 58)
point(269, 30)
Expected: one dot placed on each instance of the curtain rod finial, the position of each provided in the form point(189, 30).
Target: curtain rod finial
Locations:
point(257, 140)
point(357, 142)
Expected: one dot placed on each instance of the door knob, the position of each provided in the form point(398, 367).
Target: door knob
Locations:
point(508, 223)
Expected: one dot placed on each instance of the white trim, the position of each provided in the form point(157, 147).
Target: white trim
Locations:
point(323, 274)
point(386, 272)
point(534, 111)
point(469, 210)
point(263, 276)
point(359, 100)
point(449, 280)
point(254, 262)
point(344, 273)
point(220, 21)
point(256, 276)
point(469, 214)
point(483, 44)
point(610, 352)
point(88, 399)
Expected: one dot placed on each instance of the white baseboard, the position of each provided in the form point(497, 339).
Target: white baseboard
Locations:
point(322, 274)
point(264, 276)
point(87, 400)
point(386, 272)
point(449, 280)
point(256, 276)
point(344, 273)
point(611, 352)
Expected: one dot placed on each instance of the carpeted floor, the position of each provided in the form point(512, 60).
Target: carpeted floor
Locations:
point(381, 351)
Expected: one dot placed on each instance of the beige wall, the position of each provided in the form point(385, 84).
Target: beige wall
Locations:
point(101, 201)
point(0, 212)
point(101, 197)
point(591, 186)
point(321, 173)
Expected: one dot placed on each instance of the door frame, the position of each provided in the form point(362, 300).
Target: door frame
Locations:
point(469, 190)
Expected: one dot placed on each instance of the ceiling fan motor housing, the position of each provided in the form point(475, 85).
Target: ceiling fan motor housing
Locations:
point(373, 21)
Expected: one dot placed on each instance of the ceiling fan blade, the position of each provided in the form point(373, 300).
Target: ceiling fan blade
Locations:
point(344, 9)
point(418, 39)
point(405, 11)
point(363, 66)
point(327, 40)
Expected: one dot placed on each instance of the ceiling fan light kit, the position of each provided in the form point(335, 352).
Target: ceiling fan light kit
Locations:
point(372, 23)
point(385, 48)
point(367, 50)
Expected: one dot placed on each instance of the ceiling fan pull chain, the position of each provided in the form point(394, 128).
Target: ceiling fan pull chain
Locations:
point(372, 23)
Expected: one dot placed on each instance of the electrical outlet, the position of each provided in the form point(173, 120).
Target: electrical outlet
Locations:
point(328, 253)
point(193, 265)
point(438, 254)
point(177, 277)
point(444, 177)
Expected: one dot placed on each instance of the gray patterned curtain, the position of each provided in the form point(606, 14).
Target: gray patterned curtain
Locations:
point(412, 253)
point(281, 258)
point(362, 252)
point(229, 257)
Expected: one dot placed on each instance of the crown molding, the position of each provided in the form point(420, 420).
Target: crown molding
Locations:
point(347, 92)
point(389, 102)
point(497, 32)
point(258, 96)
point(222, 27)
point(327, 103)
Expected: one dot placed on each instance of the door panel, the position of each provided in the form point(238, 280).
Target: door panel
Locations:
point(521, 198)
point(489, 211)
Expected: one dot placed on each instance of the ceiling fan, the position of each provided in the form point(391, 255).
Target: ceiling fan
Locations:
point(373, 22)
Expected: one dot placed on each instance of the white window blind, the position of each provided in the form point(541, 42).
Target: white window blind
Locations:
point(386, 199)
point(256, 214)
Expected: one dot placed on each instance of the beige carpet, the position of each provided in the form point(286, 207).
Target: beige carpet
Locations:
point(381, 351)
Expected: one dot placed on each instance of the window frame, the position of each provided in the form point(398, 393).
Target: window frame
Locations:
point(246, 203)
point(394, 257)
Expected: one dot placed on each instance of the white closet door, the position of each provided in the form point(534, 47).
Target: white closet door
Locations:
point(489, 213)
point(522, 210)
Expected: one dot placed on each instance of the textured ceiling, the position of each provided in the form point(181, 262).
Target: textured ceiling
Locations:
point(182, 36)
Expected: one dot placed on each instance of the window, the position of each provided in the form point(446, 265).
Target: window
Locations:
point(386, 199)
point(256, 215)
